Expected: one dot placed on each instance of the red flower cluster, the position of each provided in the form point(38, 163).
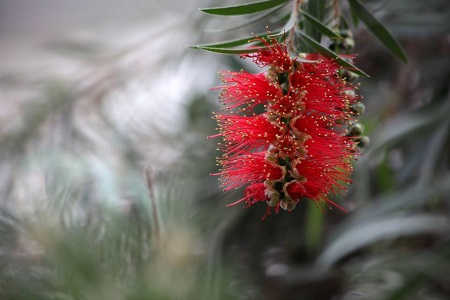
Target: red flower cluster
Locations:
point(285, 131)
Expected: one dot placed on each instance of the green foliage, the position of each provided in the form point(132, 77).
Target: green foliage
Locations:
point(234, 43)
point(320, 27)
point(227, 50)
point(309, 30)
point(377, 29)
point(320, 49)
point(316, 13)
point(370, 232)
point(89, 229)
point(244, 9)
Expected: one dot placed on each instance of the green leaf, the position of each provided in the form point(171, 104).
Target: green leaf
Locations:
point(410, 198)
point(389, 227)
point(248, 20)
point(408, 124)
point(377, 29)
point(385, 176)
point(321, 49)
point(234, 43)
point(226, 50)
point(243, 9)
point(316, 8)
point(322, 28)
point(355, 19)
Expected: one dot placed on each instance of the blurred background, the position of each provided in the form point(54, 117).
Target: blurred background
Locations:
point(104, 163)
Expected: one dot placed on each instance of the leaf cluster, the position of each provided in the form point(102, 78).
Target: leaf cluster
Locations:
point(309, 22)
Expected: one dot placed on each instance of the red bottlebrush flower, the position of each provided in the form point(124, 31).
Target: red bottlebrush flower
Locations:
point(247, 169)
point(299, 146)
point(274, 55)
point(242, 132)
point(245, 91)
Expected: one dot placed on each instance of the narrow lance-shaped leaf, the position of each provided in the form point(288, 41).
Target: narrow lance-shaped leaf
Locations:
point(227, 50)
point(248, 20)
point(233, 43)
point(355, 19)
point(243, 9)
point(390, 227)
point(321, 49)
point(320, 26)
point(316, 8)
point(377, 29)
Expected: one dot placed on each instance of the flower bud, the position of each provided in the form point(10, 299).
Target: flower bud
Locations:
point(363, 142)
point(358, 108)
point(347, 75)
point(274, 198)
point(346, 33)
point(355, 129)
point(350, 93)
point(348, 43)
point(345, 43)
point(288, 204)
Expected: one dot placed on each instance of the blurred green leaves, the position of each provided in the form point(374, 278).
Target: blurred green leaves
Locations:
point(377, 29)
point(391, 227)
point(409, 123)
point(77, 221)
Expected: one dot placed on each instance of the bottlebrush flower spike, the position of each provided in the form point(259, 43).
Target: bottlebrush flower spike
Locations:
point(299, 146)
